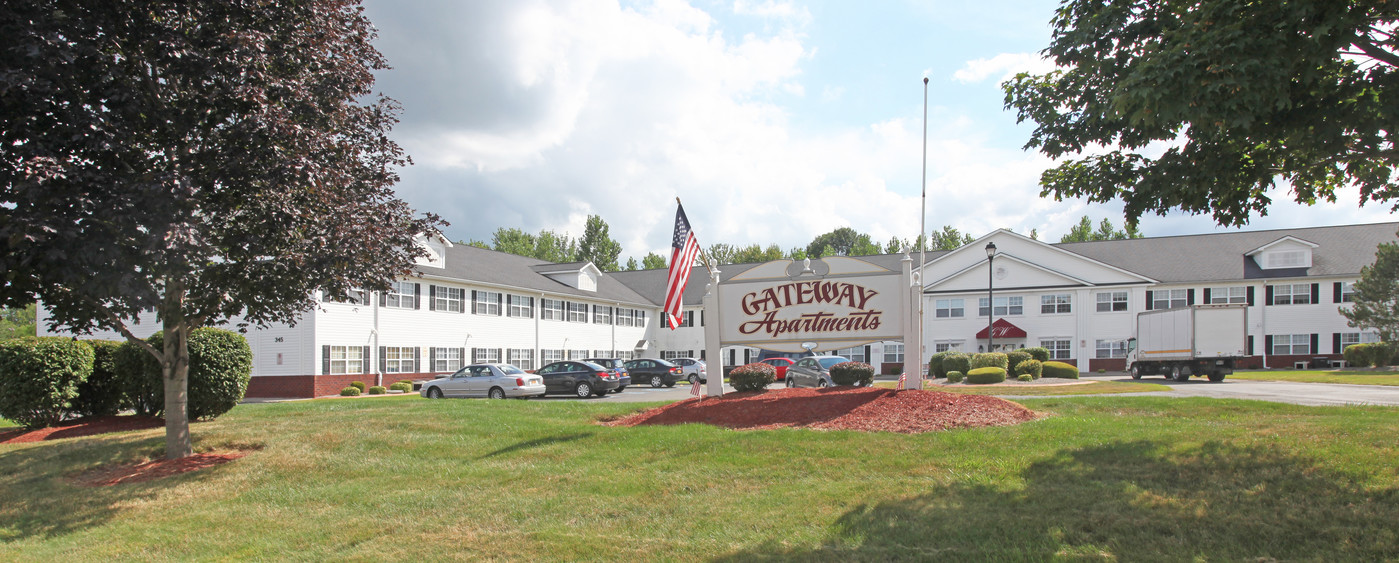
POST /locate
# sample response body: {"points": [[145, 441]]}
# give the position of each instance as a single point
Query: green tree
{"points": [[949, 238], [840, 240], [864, 246], [631, 264], [894, 245], [210, 160], [798, 253], [1376, 304], [552, 247], [476, 243], [1084, 232], [597, 245], [721, 252], [513, 241], [18, 322], [1243, 93], [653, 261]]}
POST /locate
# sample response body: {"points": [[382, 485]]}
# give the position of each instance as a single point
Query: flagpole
{"points": [[922, 232], [703, 258]]}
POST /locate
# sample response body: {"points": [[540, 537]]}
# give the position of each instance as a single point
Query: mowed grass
{"points": [[1088, 388], [1098, 478], [1349, 377]]}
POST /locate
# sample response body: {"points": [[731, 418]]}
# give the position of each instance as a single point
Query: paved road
{"points": [[1312, 394]]}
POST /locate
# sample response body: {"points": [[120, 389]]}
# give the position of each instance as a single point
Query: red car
{"points": [[781, 365]]}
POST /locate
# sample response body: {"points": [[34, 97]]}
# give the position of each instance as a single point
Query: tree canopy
{"points": [[1376, 301], [1084, 232], [597, 245], [1206, 105], [212, 160]]}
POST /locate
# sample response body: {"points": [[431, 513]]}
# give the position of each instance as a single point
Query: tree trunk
{"points": [[175, 369]]}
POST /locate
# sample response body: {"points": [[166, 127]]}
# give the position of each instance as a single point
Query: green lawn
{"points": [[1090, 388], [1101, 478], [5, 423], [1351, 377]]}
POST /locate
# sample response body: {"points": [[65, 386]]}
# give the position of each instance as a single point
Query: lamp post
{"points": [[990, 295]]}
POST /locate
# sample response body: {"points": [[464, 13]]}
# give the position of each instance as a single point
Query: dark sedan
{"points": [[657, 373], [617, 367], [582, 379], [813, 371]]}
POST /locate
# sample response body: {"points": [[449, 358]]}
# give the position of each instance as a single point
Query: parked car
{"points": [[813, 371], [580, 378], [781, 365], [618, 367], [655, 372], [496, 381], [692, 369]]}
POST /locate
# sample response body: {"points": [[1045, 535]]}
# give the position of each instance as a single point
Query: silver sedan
{"points": [[813, 371], [496, 381]]}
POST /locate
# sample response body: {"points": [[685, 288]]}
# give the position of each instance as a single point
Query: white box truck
{"points": [[1202, 340]]}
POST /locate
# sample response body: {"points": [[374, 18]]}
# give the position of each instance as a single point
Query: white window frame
{"points": [[549, 356], [486, 303], [1056, 304], [948, 345], [398, 359], [949, 308], [1291, 296], [1347, 292], [1112, 301], [669, 355], [449, 299], [855, 353], [578, 354], [485, 355], [624, 317], [577, 312], [624, 355], [1286, 259], [347, 360], [447, 359], [602, 314], [1227, 295], [1173, 298], [1060, 348], [1008, 306], [551, 310], [1297, 345], [1110, 349], [522, 358], [1353, 338], [893, 352], [520, 306], [401, 296], [354, 297]]}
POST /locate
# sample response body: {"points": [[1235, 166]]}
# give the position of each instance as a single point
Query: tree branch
{"points": [[1375, 51]]}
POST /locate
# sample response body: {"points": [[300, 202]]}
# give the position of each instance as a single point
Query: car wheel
{"points": [[620, 389], [1183, 374], [584, 390], [1216, 376], [693, 379], [1136, 372], [497, 393], [601, 393], [789, 382], [434, 393], [821, 383], [656, 381]]}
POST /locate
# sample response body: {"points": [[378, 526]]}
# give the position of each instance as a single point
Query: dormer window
{"points": [[1286, 259], [1285, 253]]}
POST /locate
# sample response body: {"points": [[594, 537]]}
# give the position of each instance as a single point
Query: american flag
{"points": [[903, 378], [695, 389], [684, 247]]}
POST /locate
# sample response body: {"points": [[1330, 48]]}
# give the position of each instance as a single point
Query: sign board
{"points": [[838, 302]]}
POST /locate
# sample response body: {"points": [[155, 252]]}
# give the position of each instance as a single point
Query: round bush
{"points": [[103, 393], [1060, 370], [358, 385], [1032, 368], [954, 377], [752, 377], [1039, 353], [935, 367], [350, 391], [405, 382], [39, 378], [1014, 357], [1024, 377], [986, 360], [1370, 354], [220, 366], [990, 374], [859, 374], [377, 390], [139, 373], [957, 361], [401, 386]]}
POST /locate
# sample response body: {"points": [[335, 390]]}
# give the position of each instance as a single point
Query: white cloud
{"points": [[1007, 65], [787, 11]]}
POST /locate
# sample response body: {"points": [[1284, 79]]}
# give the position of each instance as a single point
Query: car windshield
{"points": [[511, 370], [828, 362]]}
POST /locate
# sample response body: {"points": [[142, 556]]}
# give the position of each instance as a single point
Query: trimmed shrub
{"points": [[1038, 353], [989, 374], [1370, 354], [1032, 368], [139, 373], [39, 378], [752, 377], [859, 374], [989, 359], [1024, 377], [409, 383], [350, 391], [358, 385], [954, 377], [1060, 370], [377, 390], [220, 366], [1102, 370], [1014, 358], [935, 367], [957, 361], [103, 393], [401, 386]]}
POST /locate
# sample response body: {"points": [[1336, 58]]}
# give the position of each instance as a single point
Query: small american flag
{"points": [[903, 378], [684, 247], [695, 389]]}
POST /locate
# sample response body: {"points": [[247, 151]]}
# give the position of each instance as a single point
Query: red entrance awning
{"points": [[1003, 329]]}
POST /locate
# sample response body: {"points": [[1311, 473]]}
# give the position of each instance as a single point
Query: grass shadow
{"points": [[537, 443], [1131, 501]]}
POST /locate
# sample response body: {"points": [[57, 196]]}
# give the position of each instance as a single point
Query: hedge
{"points": [[859, 374], [1060, 370], [1032, 368], [1015, 357], [220, 366], [752, 377], [140, 376], [954, 377], [1039, 353], [990, 374], [103, 393], [1370, 354], [935, 368], [957, 361], [39, 378], [989, 359]]}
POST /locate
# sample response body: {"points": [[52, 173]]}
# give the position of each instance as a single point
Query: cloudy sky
{"points": [[774, 121]]}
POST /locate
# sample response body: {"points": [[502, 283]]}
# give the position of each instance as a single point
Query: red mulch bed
{"points": [[837, 408], [82, 427], [138, 472]]}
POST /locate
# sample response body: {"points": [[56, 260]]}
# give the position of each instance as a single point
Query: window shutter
{"points": [[1316, 294], [1268, 296], [507, 310], [1148, 299], [1190, 296], [461, 353], [499, 304], [473, 302], [701, 317], [325, 359], [418, 296], [463, 305], [1316, 343], [1206, 300], [1267, 344], [364, 360], [432, 298], [1250, 296], [383, 362], [431, 357], [417, 359], [383, 299], [1249, 345], [1336, 295], [1335, 343], [474, 359]]}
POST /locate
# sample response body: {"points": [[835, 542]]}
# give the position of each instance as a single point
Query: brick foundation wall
{"points": [[1110, 364], [312, 386], [1286, 362]]}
